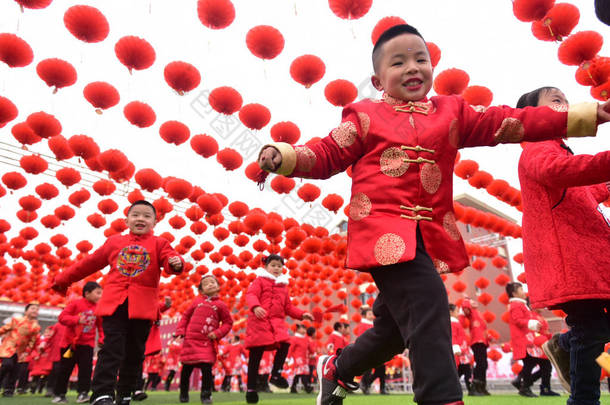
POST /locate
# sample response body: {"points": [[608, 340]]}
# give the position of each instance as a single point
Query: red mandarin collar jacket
{"points": [[135, 269], [476, 325], [402, 156], [522, 323], [566, 238], [80, 333]]}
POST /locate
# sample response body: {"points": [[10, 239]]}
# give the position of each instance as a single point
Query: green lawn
{"points": [[171, 398]]}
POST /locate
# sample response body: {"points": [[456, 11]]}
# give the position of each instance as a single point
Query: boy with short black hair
{"points": [[408, 143], [132, 284], [336, 341]]}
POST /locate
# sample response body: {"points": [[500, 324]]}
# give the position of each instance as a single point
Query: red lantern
{"points": [[580, 47], [174, 132], [254, 221], [24, 134], [204, 145], [229, 158], [64, 212], [104, 187], [107, 206], [502, 279], [83, 146], [8, 111], [308, 192], [285, 131], [96, 220], [209, 204], [557, 23], [101, 95], [33, 4], [531, 10], [47, 191], [350, 9], [481, 179], [238, 209], [332, 202], [383, 25], [135, 53], [177, 222], [181, 76], [593, 72], [254, 116], [340, 92], [140, 114], [482, 283], [484, 298], [494, 355], [112, 160], [516, 368], [522, 278], [68, 176], [215, 14], [56, 73], [86, 23], [307, 70], [466, 168], [179, 189], [499, 262], [50, 221], [79, 197], [478, 95], [225, 100], [30, 203], [14, 51], [601, 93], [518, 258], [33, 164], [451, 81], [459, 286], [148, 179], [264, 41], [435, 53], [44, 125], [14, 180], [84, 246]]}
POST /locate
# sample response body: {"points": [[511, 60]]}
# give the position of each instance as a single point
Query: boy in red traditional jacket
{"points": [[78, 343], [299, 353], [202, 325], [401, 225], [566, 237], [132, 285], [461, 350], [336, 341]]}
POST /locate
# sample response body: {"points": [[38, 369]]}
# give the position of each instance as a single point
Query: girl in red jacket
{"points": [[78, 342], [566, 239], [266, 329], [132, 285], [203, 324]]}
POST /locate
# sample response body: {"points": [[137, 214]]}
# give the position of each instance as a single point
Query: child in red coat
{"points": [[78, 343], [41, 362], [479, 342], [337, 340], [232, 357], [266, 329], [132, 284], [401, 226], [202, 325], [461, 350], [566, 237], [299, 355]]}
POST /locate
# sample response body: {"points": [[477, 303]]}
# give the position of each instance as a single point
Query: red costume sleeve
{"points": [[70, 315], [186, 318], [519, 316], [85, 267], [252, 295], [291, 310], [601, 192], [100, 330], [165, 252], [557, 168], [227, 321]]}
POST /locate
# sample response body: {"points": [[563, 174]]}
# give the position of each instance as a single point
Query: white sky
{"points": [[481, 37]]}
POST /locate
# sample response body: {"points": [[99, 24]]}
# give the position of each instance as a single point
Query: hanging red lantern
{"points": [[518, 258], [56, 73], [84, 246], [478, 95], [238, 209], [332, 202], [96, 220], [579, 47], [340, 92], [466, 168], [593, 72], [177, 222], [44, 125], [557, 23], [204, 145], [104, 187], [79, 197], [307, 70], [459, 286], [481, 179], [225, 100], [308, 192], [33, 4], [139, 114], [435, 53], [179, 189], [14, 51], [68, 176], [479, 264], [107, 206], [101, 95], [285, 131], [254, 116], [174, 132], [255, 221], [601, 92], [30, 203], [215, 14], [50, 221], [229, 158], [451, 81], [112, 160], [265, 41], [531, 10], [350, 9], [383, 25], [33, 164], [485, 298], [134, 53], [194, 213], [181, 76], [83, 146], [14, 180], [8, 111], [86, 23], [209, 204], [123, 174], [148, 179], [482, 283], [47, 191], [502, 279], [64, 212], [24, 134], [494, 355]]}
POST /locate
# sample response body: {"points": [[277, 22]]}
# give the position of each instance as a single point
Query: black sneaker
{"points": [[139, 396], [547, 392], [124, 401], [279, 381], [184, 397], [103, 400], [252, 397], [516, 382], [527, 392], [82, 398], [560, 359], [59, 399], [332, 390]]}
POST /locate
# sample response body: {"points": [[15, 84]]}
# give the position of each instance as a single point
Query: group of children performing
{"points": [[401, 230]]}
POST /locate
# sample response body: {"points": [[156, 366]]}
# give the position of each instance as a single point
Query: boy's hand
{"points": [[175, 262], [212, 336], [269, 159], [603, 112], [259, 312], [308, 316], [168, 302]]}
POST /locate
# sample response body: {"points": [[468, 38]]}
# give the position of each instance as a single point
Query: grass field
{"points": [[171, 398]]}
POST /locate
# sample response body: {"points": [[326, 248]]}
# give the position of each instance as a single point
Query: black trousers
{"points": [[38, 383], [480, 361], [23, 376], [207, 380], [411, 311], [528, 378], [124, 344], [169, 379], [81, 355], [152, 381], [9, 373], [254, 361], [370, 375], [304, 380], [466, 371], [52, 379]]}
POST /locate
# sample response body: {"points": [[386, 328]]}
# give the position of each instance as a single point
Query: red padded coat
{"points": [[519, 322]]}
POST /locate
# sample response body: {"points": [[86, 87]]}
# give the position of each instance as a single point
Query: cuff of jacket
{"points": [[582, 120], [289, 157]]}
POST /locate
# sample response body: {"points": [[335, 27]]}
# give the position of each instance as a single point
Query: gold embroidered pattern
{"points": [[392, 162], [454, 134], [431, 177], [306, 158], [559, 107], [365, 123], [450, 226], [511, 130], [359, 206], [345, 134], [391, 100], [441, 266], [389, 248]]}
